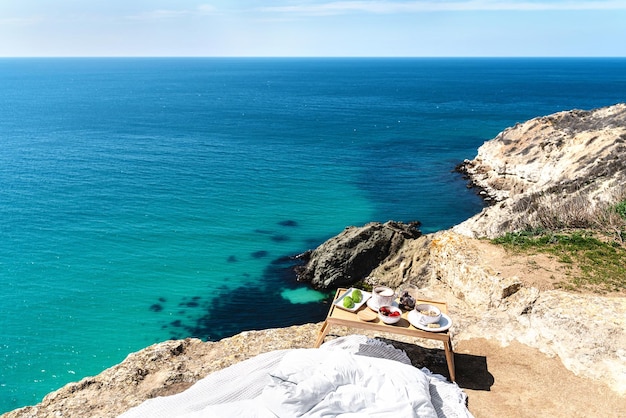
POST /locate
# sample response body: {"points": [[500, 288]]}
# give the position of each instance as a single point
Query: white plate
{"points": [[444, 323], [339, 302], [371, 303]]}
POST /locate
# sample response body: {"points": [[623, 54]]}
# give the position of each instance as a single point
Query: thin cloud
{"points": [[393, 7], [159, 14]]}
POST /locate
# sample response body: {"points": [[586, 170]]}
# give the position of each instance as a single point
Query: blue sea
{"points": [[149, 199]]}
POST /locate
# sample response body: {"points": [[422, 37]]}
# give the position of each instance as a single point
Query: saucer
{"points": [[444, 323], [367, 315], [371, 303]]}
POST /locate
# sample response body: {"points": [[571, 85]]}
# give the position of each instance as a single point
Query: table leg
{"points": [[322, 334], [447, 346]]}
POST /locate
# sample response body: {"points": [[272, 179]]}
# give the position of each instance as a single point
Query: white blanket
{"points": [[347, 377]]}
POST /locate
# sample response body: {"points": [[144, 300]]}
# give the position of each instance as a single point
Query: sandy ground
{"points": [[519, 381]]}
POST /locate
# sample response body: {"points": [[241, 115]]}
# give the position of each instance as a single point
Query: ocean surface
{"points": [[149, 199]]}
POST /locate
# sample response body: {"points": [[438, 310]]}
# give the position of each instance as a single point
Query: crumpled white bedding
{"points": [[347, 377]]}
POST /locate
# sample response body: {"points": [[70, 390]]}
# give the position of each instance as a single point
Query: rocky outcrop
{"points": [[354, 253], [411, 264], [555, 169], [586, 331]]}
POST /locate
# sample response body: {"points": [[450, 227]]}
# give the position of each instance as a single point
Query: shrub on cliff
{"points": [[557, 212]]}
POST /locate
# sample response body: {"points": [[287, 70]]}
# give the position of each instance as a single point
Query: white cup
{"points": [[383, 295], [433, 316]]}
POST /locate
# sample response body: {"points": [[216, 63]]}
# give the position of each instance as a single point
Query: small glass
{"points": [[407, 297]]}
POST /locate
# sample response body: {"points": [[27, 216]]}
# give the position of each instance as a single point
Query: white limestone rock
{"points": [[569, 161]]}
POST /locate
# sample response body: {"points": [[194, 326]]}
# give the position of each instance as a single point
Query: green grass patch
{"points": [[602, 264], [620, 209]]}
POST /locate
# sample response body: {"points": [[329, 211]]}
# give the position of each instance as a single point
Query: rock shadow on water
{"points": [[259, 305]]}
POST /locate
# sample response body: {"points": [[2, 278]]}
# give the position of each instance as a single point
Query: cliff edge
{"points": [[555, 169]]}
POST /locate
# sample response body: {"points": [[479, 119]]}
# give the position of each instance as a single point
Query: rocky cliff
{"points": [[490, 293], [554, 169], [354, 253], [489, 300]]}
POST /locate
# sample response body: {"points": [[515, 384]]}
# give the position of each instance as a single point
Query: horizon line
{"points": [[324, 56]]}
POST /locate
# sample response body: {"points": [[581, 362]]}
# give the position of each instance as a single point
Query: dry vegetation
{"points": [[550, 212]]}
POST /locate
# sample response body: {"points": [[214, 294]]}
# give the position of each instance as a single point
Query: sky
{"points": [[313, 28]]}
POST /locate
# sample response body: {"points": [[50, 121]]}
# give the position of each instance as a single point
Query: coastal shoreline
{"points": [[506, 324]]}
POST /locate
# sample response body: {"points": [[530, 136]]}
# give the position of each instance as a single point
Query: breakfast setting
{"points": [[383, 305], [385, 310]]}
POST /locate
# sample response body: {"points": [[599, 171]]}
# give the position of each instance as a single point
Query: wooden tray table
{"points": [[341, 317]]}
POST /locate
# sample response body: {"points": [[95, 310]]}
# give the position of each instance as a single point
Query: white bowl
{"points": [[388, 319], [433, 315]]}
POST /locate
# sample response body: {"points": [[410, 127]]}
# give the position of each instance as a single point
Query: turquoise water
{"points": [[146, 199]]}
